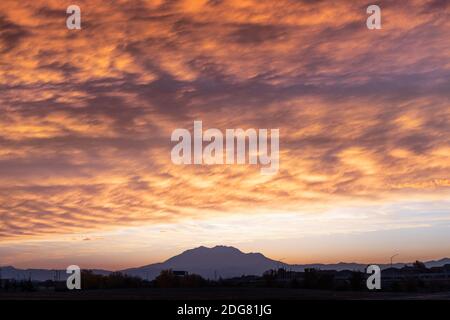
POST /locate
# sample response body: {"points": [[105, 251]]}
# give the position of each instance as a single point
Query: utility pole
{"points": [[393, 258]]}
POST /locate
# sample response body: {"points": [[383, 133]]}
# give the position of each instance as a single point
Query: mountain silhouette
{"points": [[211, 263]]}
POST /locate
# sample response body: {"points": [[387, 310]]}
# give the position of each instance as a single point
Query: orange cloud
{"points": [[87, 115]]}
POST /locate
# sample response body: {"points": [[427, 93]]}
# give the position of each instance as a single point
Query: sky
{"points": [[86, 119]]}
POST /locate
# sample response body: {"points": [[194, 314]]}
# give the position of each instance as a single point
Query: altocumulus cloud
{"points": [[87, 115]]}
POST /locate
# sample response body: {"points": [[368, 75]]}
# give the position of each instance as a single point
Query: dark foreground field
{"points": [[220, 294]]}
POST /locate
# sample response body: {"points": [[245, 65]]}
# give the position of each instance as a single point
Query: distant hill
{"points": [[220, 261], [10, 272], [211, 263]]}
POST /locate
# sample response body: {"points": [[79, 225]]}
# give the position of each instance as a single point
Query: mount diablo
{"points": [[211, 263]]}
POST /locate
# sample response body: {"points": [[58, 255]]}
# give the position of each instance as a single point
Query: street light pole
{"points": [[393, 258]]}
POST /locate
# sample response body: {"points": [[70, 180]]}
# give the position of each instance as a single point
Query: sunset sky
{"points": [[86, 118]]}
